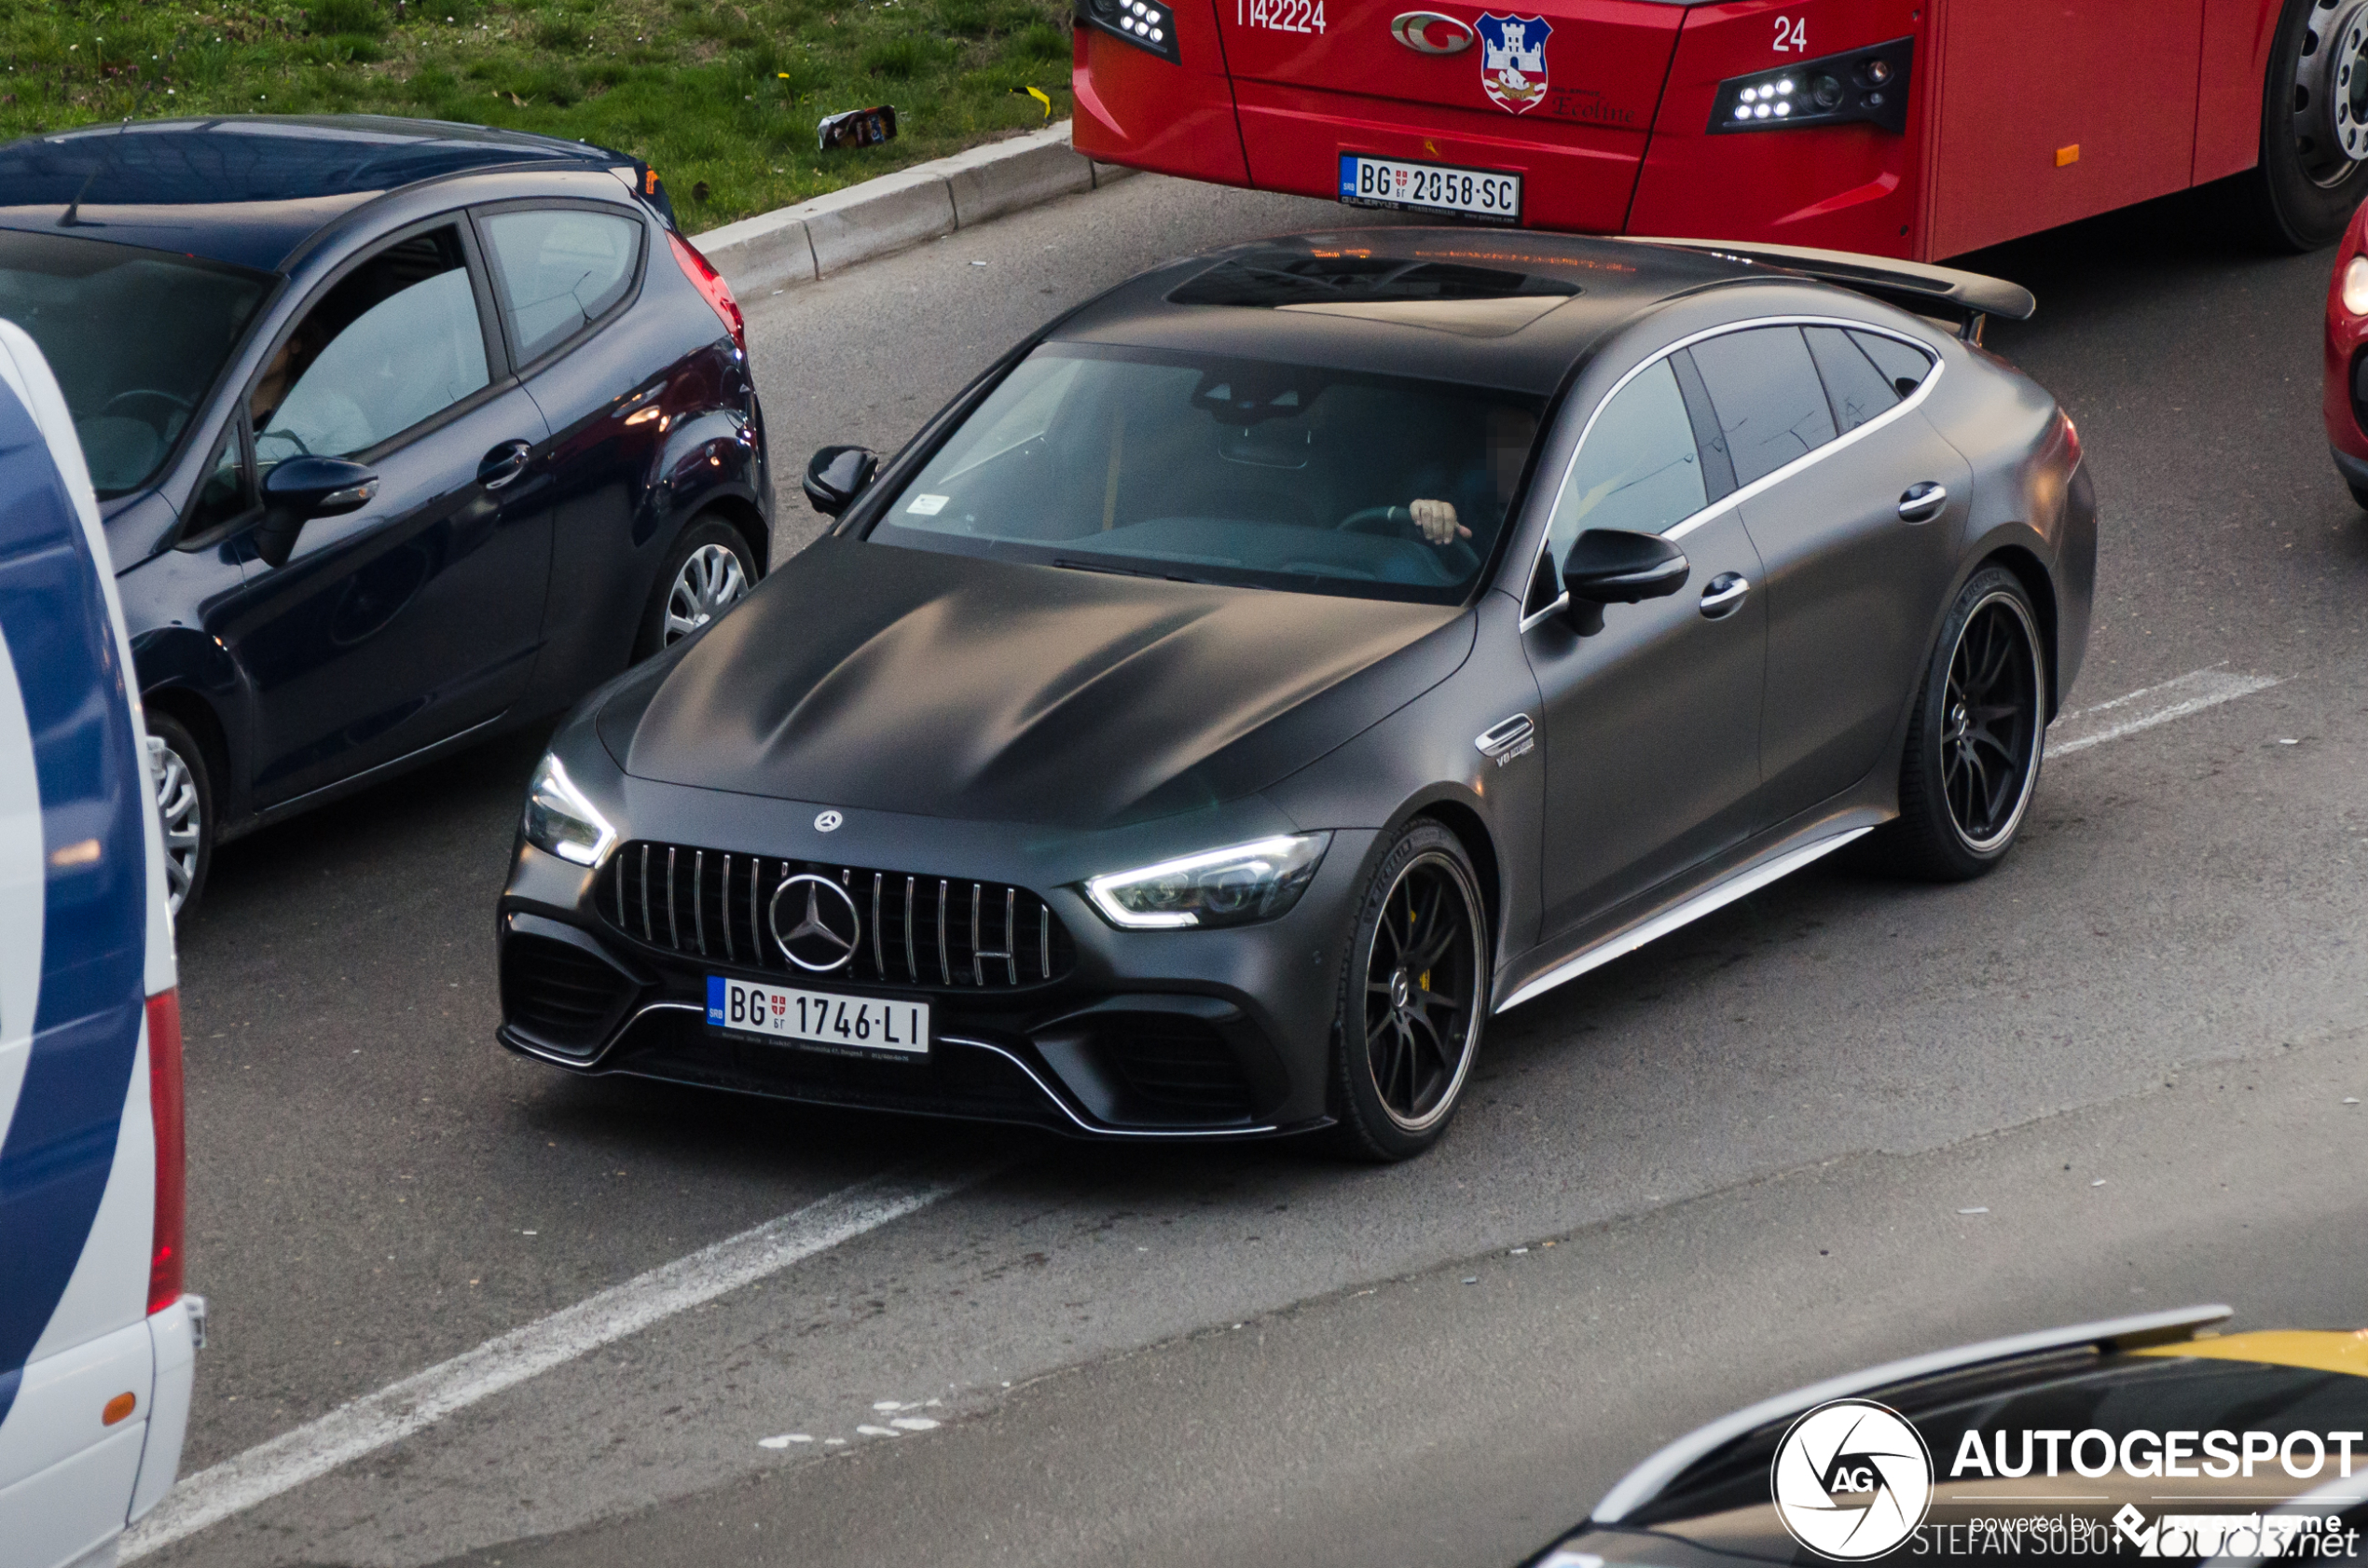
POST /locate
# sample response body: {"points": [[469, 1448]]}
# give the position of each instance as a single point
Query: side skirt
{"points": [[1780, 860]]}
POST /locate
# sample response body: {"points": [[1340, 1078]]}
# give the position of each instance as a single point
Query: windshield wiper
{"points": [[1128, 571]]}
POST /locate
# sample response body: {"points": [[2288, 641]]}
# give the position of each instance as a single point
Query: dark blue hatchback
{"points": [[403, 431]]}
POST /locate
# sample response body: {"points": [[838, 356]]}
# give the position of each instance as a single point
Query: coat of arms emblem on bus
{"points": [[1513, 60]]}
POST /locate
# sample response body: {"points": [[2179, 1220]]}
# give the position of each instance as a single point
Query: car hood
{"points": [[946, 685]]}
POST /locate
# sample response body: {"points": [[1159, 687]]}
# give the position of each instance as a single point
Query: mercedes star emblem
{"points": [[827, 927], [828, 822]]}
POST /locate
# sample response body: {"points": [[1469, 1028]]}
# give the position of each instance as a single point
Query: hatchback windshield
{"points": [[136, 337], [1227, 471]]}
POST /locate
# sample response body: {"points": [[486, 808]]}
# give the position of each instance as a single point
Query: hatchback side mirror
{"points": [[835, 476], [301, 489], [1612, 565]]}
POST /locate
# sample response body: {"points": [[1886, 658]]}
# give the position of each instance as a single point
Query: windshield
{"points": [[135, 338], [1241, 471]]}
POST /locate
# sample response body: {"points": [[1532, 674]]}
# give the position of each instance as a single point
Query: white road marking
{"points": [[2149, 705], [401, 1409]]}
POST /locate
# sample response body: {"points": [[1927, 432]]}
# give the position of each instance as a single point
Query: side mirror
{"points": [[1612, 565], [301, 489], [835, 476]]}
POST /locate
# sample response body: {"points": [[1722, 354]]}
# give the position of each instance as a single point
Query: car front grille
{"points": [[939, 932]]}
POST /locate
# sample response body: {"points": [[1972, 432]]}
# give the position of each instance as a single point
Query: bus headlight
{"points": [[1147, 24], [1868, 86]]}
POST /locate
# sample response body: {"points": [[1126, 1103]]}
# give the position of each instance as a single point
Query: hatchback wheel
{"points": [[710, 569], [183, 785], [1974, 746], [1413, 998]]}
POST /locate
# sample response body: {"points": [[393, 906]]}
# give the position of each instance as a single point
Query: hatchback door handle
{"points": [[1923, 503], [1724, 595], [502, 465]]}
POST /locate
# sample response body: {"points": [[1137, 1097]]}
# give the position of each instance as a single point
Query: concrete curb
{"points": [[793, 245]]}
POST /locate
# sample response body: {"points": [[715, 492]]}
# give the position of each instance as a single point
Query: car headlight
{"points": [[2355, 292], [1230, 887], [559, 820]]}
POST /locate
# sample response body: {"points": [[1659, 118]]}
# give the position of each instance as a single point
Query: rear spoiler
{"points": [[1649, 1480], [1964, 298]]}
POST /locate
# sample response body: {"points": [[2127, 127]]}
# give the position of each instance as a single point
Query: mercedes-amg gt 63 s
{"points": [[1283, 662]]}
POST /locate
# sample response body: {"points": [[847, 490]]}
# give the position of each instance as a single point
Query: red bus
{"points": [[1919, 129]]}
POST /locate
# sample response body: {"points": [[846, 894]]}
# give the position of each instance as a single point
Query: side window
{"points": [[395, 341], [1639, 469], [228, 491], [555, 271], [1858, 389], [1902, 365], [1771, 405]]}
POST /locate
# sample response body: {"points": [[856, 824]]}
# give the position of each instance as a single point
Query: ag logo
{"points": [[814, 921], [1852, 1481], [1513, 60]]}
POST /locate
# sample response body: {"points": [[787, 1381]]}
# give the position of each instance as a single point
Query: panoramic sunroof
{"points": [[1279, 279]]}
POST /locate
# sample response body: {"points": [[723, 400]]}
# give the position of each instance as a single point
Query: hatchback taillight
{"points": [[709, 282], [164, 1104]]}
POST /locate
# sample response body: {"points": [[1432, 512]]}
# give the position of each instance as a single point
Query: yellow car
{"points": [[2151, 1438]]}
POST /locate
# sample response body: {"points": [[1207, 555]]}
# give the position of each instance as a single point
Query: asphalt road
{"points": [[1748, 1143]]}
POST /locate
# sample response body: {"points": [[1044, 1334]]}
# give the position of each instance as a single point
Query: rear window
{"points": [[1243, 472], [559, 271], [135, 337]]}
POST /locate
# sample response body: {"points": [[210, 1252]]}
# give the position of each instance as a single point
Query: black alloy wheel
{"points": [[710, 569], [1413, 998], [1976, 742], [183, 779], [2314, 125]]}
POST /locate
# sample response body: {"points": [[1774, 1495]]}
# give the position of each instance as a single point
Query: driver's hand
{"points": [[1436, 519]]}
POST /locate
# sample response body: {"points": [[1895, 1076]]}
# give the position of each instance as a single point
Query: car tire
{"points": [[1412, 1002], [710, 569], [1977, 739], [2359, 495], [2304, 189], [182, 777]]}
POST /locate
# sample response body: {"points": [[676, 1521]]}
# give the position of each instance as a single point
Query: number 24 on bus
{"points": [[1922, 129]]}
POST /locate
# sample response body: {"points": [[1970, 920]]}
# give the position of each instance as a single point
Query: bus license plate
{"points": [[1429, 188], [853, 1023]]}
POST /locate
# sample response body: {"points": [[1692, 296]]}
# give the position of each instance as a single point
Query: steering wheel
{"points": [[1456, 558], [1397, 521], [187, 406]]}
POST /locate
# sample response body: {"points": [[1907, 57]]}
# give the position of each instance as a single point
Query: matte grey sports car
{"points": [[1286, 660]]}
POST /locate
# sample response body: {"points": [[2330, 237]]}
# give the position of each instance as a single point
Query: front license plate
{"points": [[851, 1023], [1429, 188]]}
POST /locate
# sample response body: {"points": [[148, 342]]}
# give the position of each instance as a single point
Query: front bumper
{"points": [[1195, 1034]]}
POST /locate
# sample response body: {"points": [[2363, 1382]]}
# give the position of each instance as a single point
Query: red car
{"points": [[1910, 127], [2345, 402]]}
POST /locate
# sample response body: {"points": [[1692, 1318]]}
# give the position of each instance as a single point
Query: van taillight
{"points": [[709, 282], [164, 1103]]}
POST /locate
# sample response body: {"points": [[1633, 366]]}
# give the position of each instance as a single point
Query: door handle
{"points": [[1923, 503], [1724, 595], [502, 465]]}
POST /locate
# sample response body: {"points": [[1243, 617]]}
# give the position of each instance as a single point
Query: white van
{"points": [[96, 1335]]}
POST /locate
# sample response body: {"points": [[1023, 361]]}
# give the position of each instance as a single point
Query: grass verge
{"points": [[721, 98]]}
